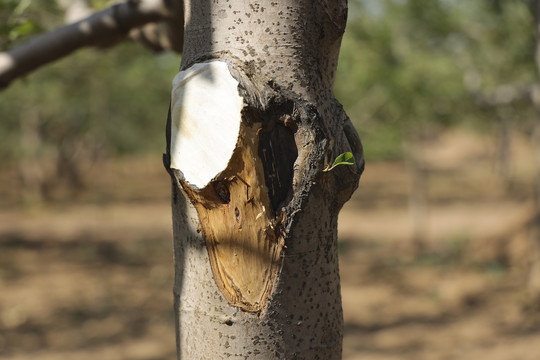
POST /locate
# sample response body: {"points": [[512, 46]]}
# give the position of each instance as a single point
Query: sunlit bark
{"points": [[256, 237]]}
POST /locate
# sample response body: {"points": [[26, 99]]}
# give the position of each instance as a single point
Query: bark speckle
{"points": [[290, 59], [222, 14]]}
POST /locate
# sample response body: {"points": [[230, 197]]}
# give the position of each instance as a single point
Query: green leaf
{"points": [[346, 158], [24, 28]]}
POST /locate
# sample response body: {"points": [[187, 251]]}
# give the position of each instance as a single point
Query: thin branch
{"points": [[101, 29]]}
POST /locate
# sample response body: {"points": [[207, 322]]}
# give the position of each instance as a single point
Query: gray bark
{"points": [[284, 56]]}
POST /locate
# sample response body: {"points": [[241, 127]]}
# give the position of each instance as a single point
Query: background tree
{"points": [[409, 70], [99, 117]]}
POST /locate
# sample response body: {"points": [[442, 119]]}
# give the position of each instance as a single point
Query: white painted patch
{"points": [[6, 62], [205, 121]]}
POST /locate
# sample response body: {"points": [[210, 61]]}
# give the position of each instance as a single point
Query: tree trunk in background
{"points": [[534, 275], [503, 167], [254, 215], [31, 170], [414, 150]]}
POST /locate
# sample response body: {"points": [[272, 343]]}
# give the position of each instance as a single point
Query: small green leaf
{"points": [[26, 27], [346, 158]]}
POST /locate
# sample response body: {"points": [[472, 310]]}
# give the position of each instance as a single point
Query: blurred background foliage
{"points": [[92, 105], [409, 69]]}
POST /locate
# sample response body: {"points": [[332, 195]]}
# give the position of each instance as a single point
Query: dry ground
{"points": [[92, 279]]}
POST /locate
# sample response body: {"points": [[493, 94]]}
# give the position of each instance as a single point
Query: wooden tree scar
{"points": [[240, 227], [235, 162]]}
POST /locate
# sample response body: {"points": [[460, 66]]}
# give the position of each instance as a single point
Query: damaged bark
{"points": [[255, 220]]}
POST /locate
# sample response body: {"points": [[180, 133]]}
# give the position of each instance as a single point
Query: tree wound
{"points": [[238, 194], [205, 121]]}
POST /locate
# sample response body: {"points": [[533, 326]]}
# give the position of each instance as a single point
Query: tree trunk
{"points": [[253, 122], [534, 274], [503, 167]]}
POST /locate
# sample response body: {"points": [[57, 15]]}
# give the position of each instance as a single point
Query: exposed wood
{"points": [[215, 146], [240, 229]]}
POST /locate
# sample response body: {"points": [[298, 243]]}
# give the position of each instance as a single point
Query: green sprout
{"points": [[346, 158]]}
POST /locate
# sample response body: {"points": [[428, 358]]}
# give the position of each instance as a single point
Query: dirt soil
{"points": [[453, 276]]}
